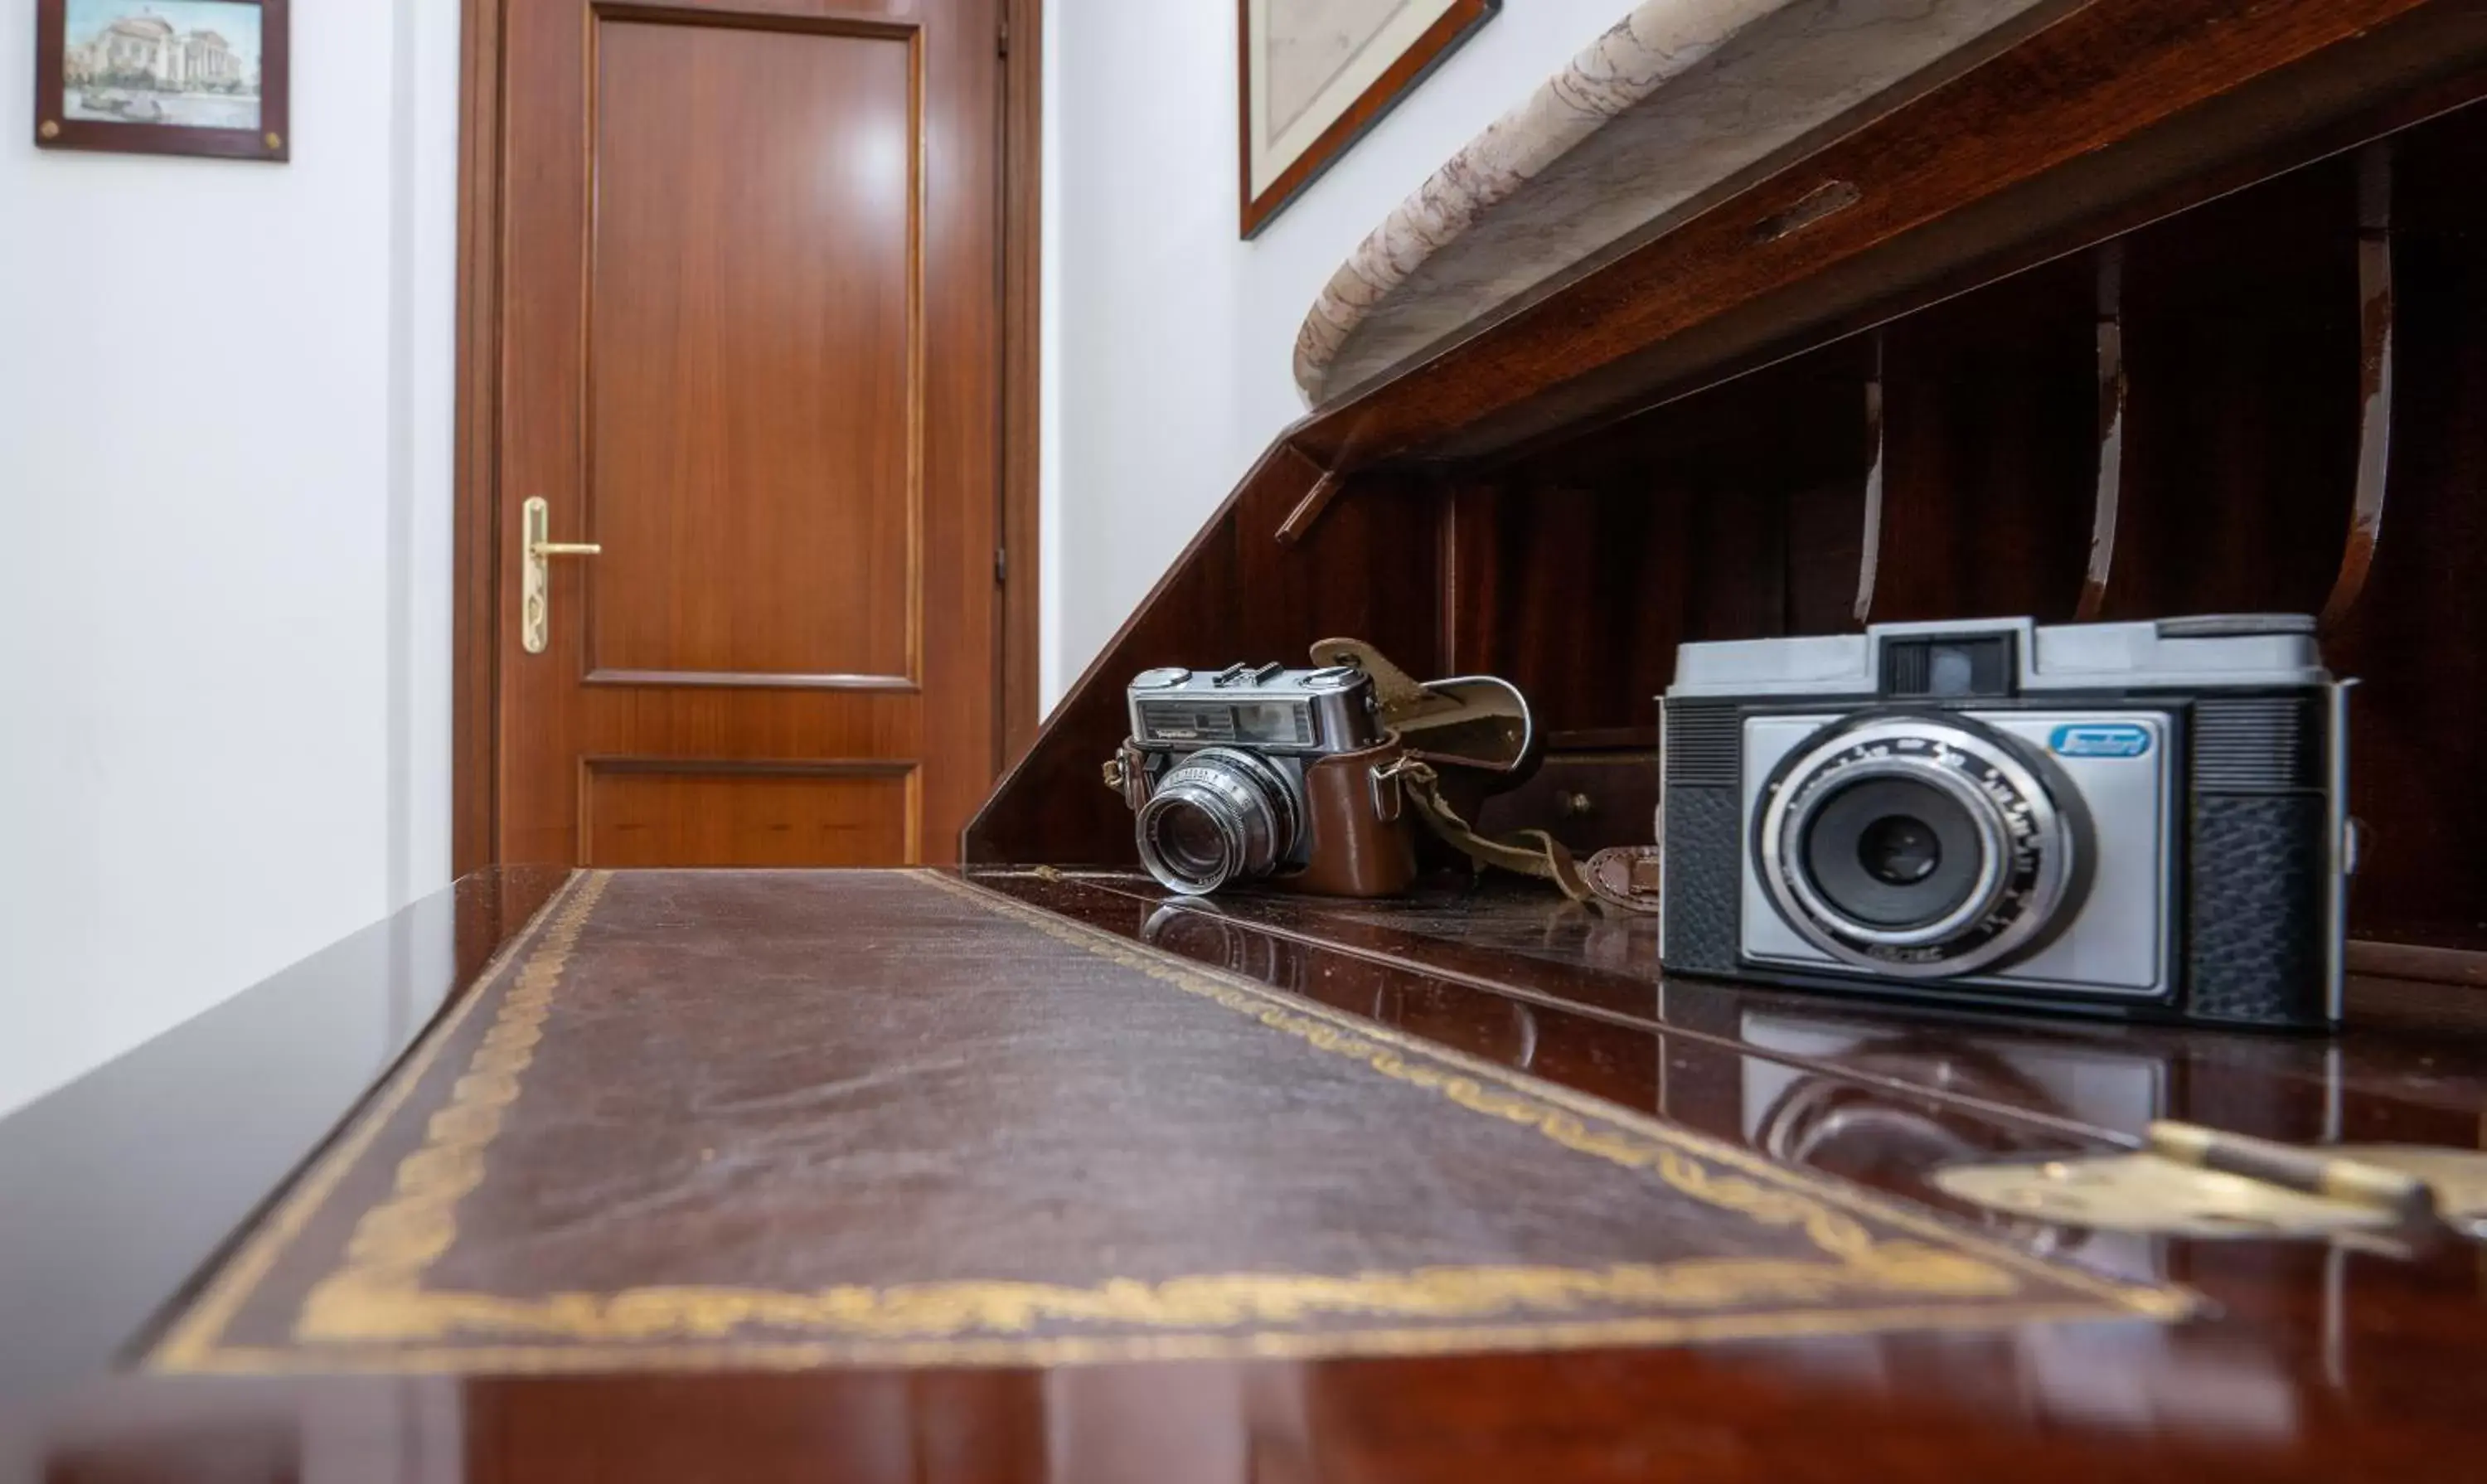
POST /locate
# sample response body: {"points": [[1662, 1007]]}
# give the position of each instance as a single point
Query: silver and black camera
{"points": [[1235, 774], [2141, 819]]}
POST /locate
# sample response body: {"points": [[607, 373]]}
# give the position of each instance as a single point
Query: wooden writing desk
{"points": [[1050, 1039]]}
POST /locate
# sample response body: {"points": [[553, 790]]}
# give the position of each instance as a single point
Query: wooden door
{"points": [[749, 348]]}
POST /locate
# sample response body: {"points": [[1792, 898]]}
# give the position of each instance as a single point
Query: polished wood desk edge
{"points": [[2384, 1013], [235, 1103]]}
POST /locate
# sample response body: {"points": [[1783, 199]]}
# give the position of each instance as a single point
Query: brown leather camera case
{"points": [[1356, 854]]}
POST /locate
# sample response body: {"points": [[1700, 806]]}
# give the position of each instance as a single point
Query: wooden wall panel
{"points": [[2241, 343], [1559, 595], [1826, 534], [1732, 514], [1369, 568], [1988, 471], [2419, 720]]}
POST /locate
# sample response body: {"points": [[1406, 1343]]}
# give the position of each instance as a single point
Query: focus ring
{"points": [[2030, 850], [1252, 806], [1988, 882]]}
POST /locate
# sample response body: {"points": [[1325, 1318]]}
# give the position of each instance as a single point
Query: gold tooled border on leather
{"points": [[373, 1311]]}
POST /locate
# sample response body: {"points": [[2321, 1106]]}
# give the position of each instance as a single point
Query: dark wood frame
{"points": [[474, 709], [1023, 197], [475, 659], [55, 130], [1412, 66]]}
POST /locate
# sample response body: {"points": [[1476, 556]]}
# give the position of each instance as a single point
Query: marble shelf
{"points": [[1673, 108]]}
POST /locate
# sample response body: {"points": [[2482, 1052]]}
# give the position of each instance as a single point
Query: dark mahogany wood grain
{"points": [[1733, 513], [2313, 1363], [2417, 722], [2241, 343], [1988, 483], [1366, 570]]}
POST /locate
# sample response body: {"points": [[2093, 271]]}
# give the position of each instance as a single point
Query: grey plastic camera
{"points": [[2141, 819]]}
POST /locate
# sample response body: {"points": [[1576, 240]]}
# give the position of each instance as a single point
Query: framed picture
{"points": [[162, 77], [1318, 74]]}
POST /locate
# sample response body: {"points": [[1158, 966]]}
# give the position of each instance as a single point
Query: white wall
{"points": [[1168, 342], [224, 542]]}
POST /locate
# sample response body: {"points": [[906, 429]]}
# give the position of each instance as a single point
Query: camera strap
{"points": [[1527, 851], [1628, 877], [1475, 724]]}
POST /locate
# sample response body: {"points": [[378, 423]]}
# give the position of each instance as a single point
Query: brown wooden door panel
{"points": [[752, 323], [691, 813], [751, 349]]}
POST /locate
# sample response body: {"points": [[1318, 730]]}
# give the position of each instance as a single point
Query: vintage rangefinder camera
{"points": [[1255, 772], [2145, 819]]}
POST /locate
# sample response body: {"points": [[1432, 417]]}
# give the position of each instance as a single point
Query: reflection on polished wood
{"points": [[2317, 1362], [118, 1188]]}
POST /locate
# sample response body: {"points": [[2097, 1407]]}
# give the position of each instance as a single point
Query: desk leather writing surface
{"points": [[802, 1118], [2310, 1363]]}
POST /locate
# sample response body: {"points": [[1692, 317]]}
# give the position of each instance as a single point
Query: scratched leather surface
{"points": [[794, 1083], [771, 1079]]}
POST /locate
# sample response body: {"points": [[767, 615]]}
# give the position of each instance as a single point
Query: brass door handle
{"points": [[534, 581]]}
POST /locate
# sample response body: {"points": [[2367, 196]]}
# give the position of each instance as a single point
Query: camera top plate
{"points": [[2005, 656]]}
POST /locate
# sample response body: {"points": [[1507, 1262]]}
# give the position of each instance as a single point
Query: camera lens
{"points": [[1898, 851], [1892, 852], [1190, 838], [1921, 845], [1220, 815]]}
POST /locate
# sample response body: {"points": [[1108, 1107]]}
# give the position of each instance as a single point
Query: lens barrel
{"points": [[1921, 845], [1218, 816], [1895, 852]]}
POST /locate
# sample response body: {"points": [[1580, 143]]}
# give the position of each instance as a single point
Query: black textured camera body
{"points": [[2252, 916]]}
